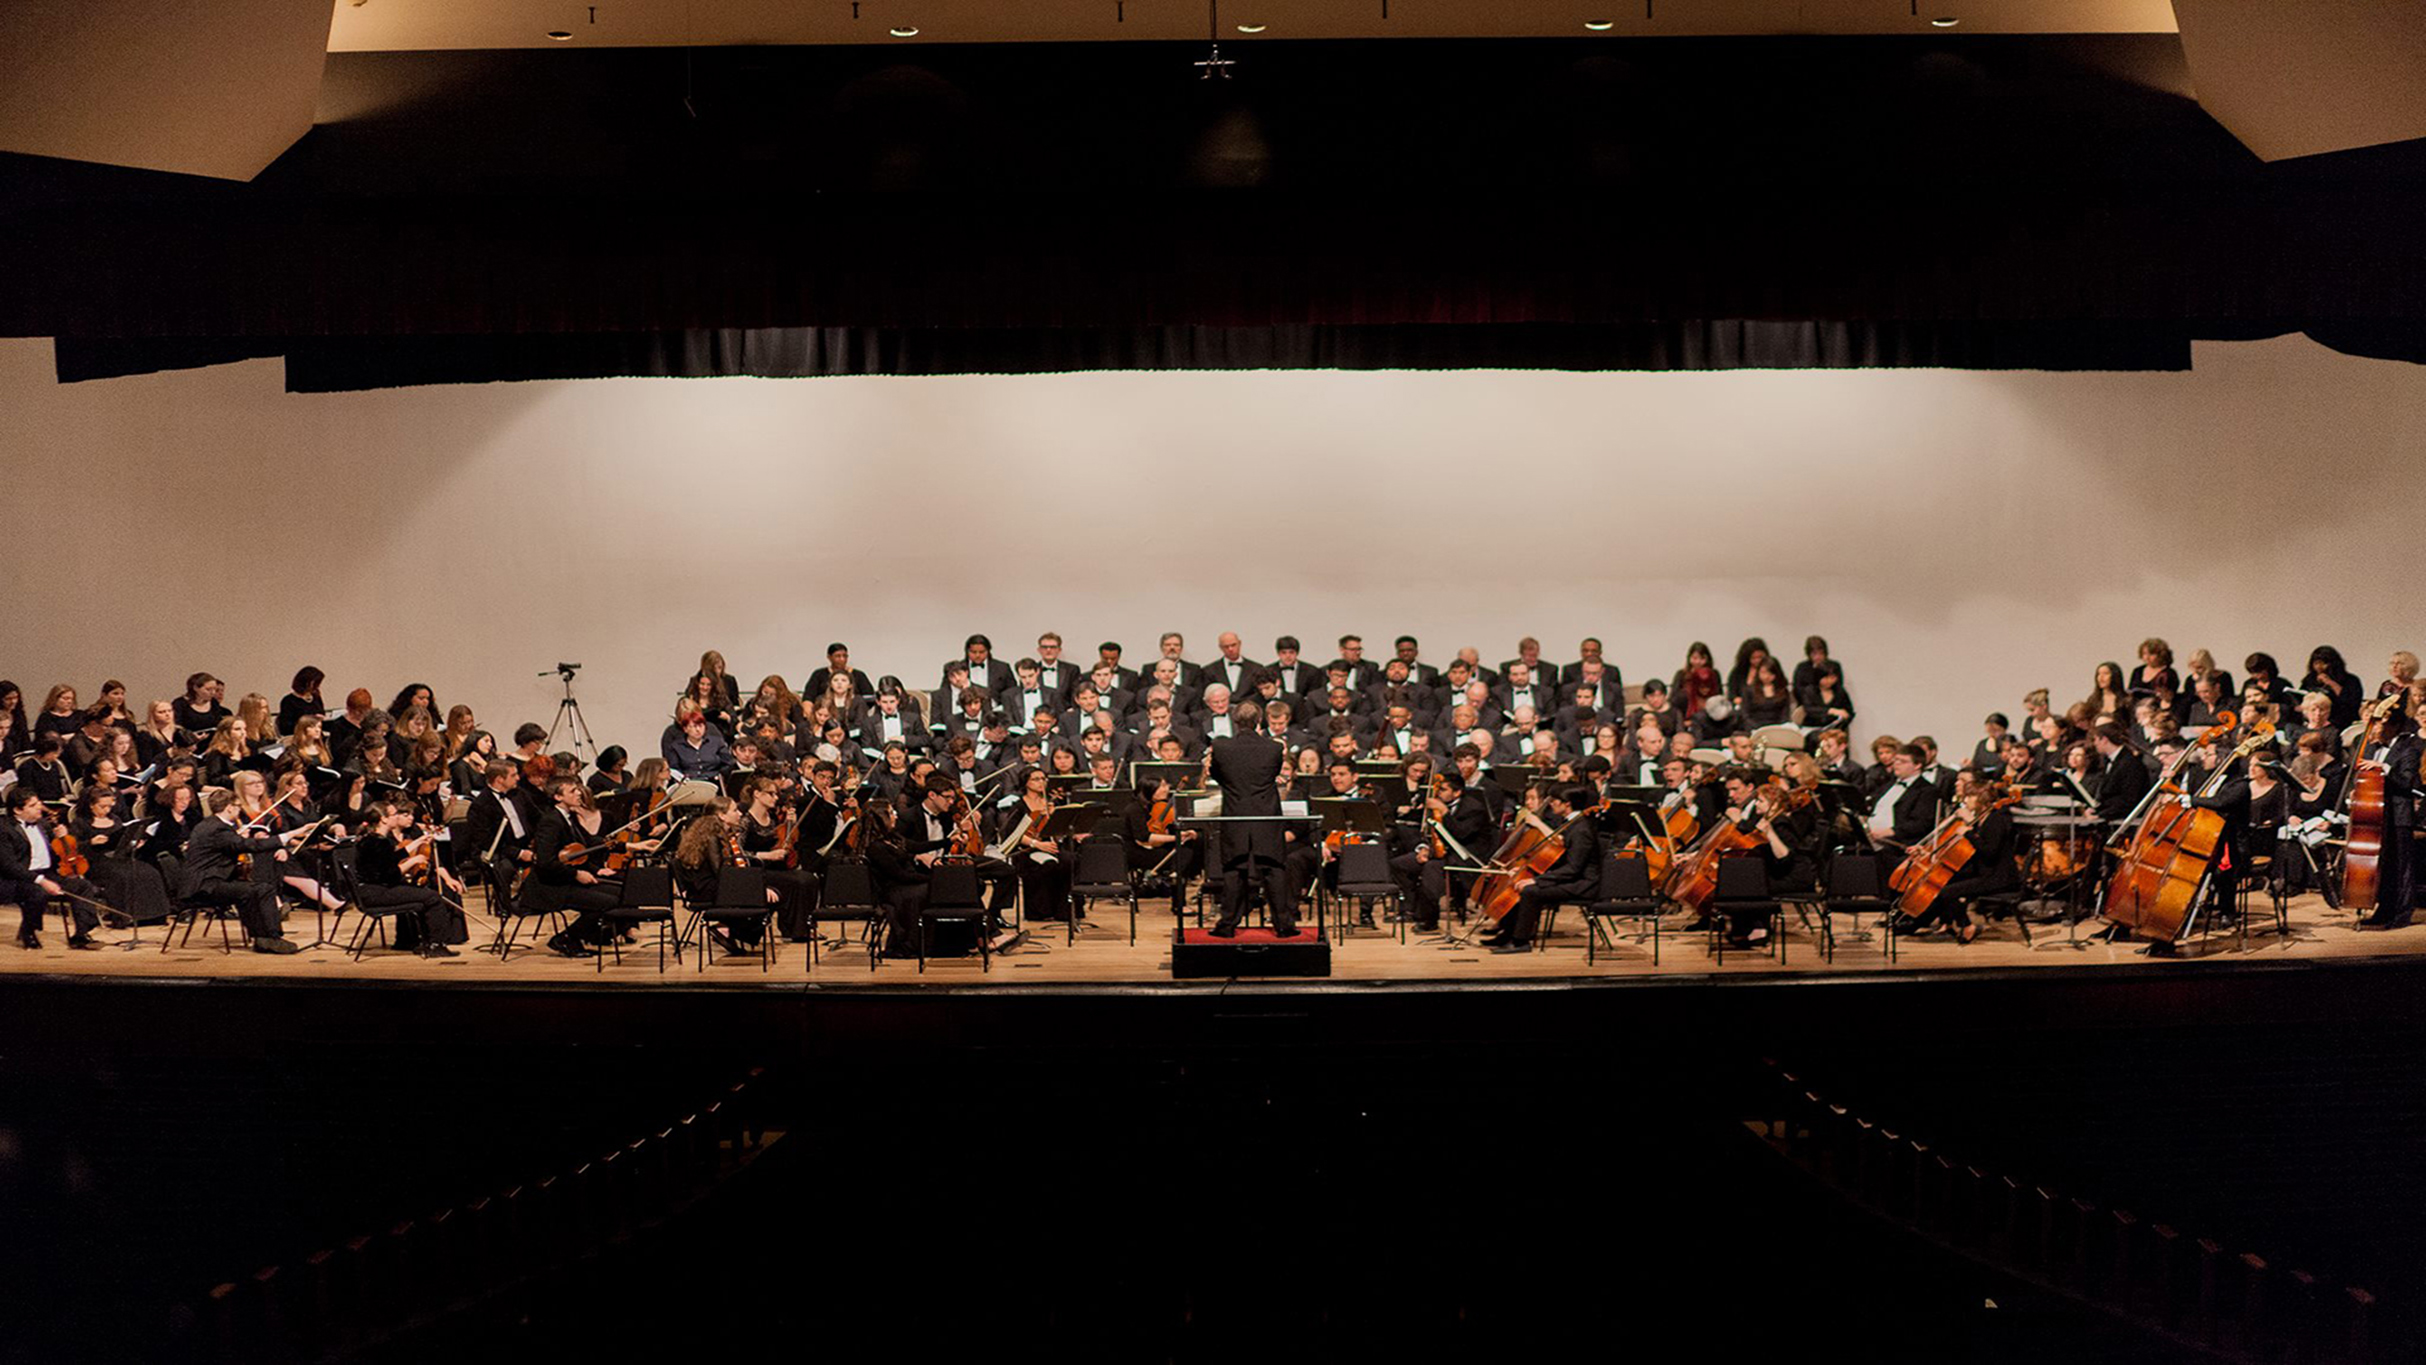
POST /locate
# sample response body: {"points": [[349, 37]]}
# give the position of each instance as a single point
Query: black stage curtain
{"points": [[1996, 203]]}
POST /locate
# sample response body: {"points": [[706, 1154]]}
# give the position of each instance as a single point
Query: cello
{"points": [[2161, 875], [1694, 879], [1530, 850], [1933, 861], [2363, 804]]}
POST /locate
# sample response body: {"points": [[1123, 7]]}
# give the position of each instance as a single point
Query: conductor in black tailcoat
{"points": [[1246, 767]]}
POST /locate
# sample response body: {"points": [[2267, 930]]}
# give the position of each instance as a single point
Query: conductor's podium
{"points": [[1196, 953]]}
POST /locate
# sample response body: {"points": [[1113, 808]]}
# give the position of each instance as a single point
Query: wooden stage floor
{"points": [[1103, 955]]}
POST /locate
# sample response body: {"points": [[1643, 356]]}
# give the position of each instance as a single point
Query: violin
{"points": [[967, 841], [67, 858]]}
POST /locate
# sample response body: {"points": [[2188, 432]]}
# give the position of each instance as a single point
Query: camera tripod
{"points": [[569, 718]]}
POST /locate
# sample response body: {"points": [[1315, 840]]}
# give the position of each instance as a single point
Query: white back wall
{"points": [[1958, 537]]}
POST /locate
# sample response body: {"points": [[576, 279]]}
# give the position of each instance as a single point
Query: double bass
{"points": [[2161, 873], [2363, 854]]}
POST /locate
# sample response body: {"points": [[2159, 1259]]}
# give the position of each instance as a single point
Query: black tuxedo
{"points": [[212, 878], [481, 827], [1574, 877], [1543, 672], [1060, 678], [2122, 785], [1611, 679], [1361, 675], [1914, 813], [17, 883], [1239, 677], [1310, 680], [1247, 771], [1544, 700], [993, 675], [914, 734]]}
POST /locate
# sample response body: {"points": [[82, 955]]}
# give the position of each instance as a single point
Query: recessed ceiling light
{"points": [[1600, 25], [1250, 28], [906, 31], [560, 35], [1944, 23]]}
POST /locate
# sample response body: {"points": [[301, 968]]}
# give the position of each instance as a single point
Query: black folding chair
{"points": [[512, 913], [1625, 893], [1857, 882], [741, 898], [954, 896], [850, 894], [1102, 874], [648, 898], [1364, 875], [1743, 881]]}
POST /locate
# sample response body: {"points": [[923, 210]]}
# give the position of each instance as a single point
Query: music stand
{"points": [[1062, 786], [1182, 775], [1510, 780], [1390, 793]]}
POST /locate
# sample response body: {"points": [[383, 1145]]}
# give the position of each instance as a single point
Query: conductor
{"points": [[1246, 766]]}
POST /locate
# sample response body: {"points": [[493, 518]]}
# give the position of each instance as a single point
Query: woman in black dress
{"points": [[763, 836], [15, 734], [302, 699], [410, 882], [1045, 869], [1767, 700], [60, 715], [2328, 674], [127, 884]]}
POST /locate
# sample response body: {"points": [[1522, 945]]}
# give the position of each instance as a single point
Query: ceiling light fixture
{"points": [[1600, 25], [1944, 23], [906, 31], [560, 35], [1215, 66], [1250, 28]]}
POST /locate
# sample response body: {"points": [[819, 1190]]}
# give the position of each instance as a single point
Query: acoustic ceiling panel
{"points": [[2295, 79], [210, 87]]}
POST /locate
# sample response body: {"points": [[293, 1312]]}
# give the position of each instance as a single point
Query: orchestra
{"points": [[1221, 772]]}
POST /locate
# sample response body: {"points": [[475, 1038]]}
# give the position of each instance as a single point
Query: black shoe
{"points": [[281, 946], [1427, 926], [28, 941], [563, 945], [82, 942], [2163, 948], [1699, 925], [1509, 945], [439, 950], [1284, 931]]}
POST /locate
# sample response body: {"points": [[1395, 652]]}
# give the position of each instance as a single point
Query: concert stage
{"points": [[1099, 992], [1102, 955]]}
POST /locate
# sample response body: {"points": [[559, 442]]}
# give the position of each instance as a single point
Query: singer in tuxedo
{"points": [[1246, 767]]}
